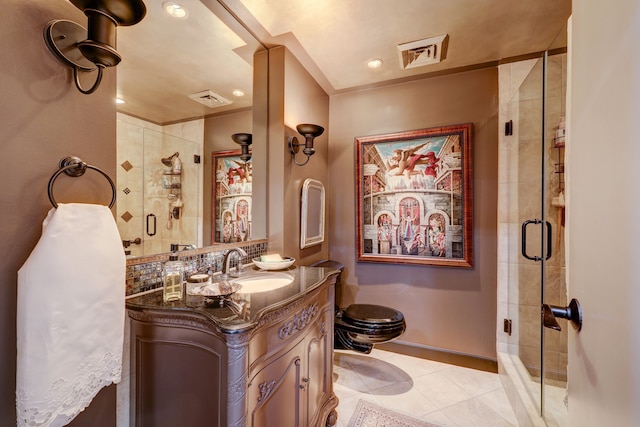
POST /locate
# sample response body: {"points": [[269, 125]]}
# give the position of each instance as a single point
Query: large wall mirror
{"points": [[187, 81]]}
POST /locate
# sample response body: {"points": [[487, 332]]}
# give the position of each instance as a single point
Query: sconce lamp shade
{"points": [[66, 38], [309, 132], [123, 12], [244, 139]]}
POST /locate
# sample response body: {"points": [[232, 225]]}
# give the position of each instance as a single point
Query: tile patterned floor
{"points": [[443, 394]]}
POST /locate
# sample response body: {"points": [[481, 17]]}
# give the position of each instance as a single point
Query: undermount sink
{"points": [[263, 282]]}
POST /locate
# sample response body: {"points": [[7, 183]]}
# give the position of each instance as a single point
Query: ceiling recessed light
{"points": [[120, 101], [174, 9], [374, 63], [238, 93]]}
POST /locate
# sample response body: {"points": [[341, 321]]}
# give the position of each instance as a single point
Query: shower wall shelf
{"points": [[172, 181]]}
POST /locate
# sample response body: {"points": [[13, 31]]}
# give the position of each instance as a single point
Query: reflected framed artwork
{"points": [[231, 197], [414, 197]]}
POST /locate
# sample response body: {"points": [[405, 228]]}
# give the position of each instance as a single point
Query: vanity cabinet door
{"points": [[274, 393], [294, 388], [318, 368], [179, 378]]}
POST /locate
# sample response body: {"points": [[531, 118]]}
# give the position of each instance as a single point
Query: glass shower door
{"points": [[532, 212], [554, 290], [524, 169]]}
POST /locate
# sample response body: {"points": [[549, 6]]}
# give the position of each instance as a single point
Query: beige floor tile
{"points": [[376, 373], [440, 390], [474, 413], [414, 366], [446, 395], [346, 409], [438, 418], [404, 398], [473, 381], [349, 379], [499, 402]]}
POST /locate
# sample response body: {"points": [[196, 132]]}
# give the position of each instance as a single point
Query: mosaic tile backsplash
{"points": [[145, 274]]}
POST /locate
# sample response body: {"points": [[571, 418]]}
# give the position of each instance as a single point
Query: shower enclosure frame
{"points": [[531, 252]]}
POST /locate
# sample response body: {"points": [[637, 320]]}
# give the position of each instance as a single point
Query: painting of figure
{"points": [[414, 201], [231, 198]]}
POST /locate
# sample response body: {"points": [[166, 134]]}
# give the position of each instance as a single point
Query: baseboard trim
{"points": [[440, 355]]}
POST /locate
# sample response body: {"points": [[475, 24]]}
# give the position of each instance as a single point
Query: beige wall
{"points": [[44, 118], [294, 98], [447, 308]]}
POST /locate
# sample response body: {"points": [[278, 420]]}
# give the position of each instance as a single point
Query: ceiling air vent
{"points": [[423, 52], [210, 99]]}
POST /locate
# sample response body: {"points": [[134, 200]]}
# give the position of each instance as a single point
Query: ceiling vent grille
{"points": [[423, 52], [210, 99]]}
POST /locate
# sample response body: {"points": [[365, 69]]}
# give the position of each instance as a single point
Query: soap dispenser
{"points": [[172, 278]]}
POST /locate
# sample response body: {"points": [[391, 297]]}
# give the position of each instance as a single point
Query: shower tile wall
{"points": [[140, 146], [519, 280]]}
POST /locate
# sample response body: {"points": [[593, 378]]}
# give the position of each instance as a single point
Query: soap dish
{"points": [[217, 289], [274, 265]]}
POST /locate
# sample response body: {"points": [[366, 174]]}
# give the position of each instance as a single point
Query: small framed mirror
{"points": [[312, 213]]}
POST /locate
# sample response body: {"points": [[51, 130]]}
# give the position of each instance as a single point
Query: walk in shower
{"points": [[531, 260], [159, 204]]}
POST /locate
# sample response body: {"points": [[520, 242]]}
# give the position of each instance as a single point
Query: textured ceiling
{"points": [[165, 60]]}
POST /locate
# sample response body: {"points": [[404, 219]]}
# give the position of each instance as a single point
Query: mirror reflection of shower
{"points": [[173, 182], [160, 182], [168, 161]]}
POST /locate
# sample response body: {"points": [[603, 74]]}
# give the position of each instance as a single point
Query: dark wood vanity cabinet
{"points": [[278, 371]]}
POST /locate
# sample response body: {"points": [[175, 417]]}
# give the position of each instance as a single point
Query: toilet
{"points": [[359, 326]]}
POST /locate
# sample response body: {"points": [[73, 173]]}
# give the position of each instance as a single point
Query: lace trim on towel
{"points": [[67, 397]]}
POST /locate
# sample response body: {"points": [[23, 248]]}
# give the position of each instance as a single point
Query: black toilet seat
{"points": [[370, 315]]}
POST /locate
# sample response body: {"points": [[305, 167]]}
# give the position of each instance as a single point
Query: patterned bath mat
{"points": [[369, 414]]}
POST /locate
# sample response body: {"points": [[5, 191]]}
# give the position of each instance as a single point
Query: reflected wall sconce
{"points": [[85, 50], [309, 132], [244, 139]]}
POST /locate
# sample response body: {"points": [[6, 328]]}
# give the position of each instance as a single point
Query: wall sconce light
{"points": [[309, 132], [244, 139], [86, 50]]}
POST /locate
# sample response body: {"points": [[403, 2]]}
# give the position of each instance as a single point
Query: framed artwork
{"points": [[312, 213], [231, 197], [414, 197]]}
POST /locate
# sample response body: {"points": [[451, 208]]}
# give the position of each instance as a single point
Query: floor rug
{"points": [[369, 414]]}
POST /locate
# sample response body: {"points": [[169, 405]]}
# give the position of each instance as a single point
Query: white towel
{"points": [[70, 315]]}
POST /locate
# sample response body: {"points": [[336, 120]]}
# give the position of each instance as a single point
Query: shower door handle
{"points": [[151, 231], [573, 313], [524, 239]]}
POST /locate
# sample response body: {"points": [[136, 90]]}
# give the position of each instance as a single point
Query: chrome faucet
{"points": [[226, 262]]}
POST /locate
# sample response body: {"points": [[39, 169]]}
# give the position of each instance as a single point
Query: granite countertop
{"points": [[238, 312]]}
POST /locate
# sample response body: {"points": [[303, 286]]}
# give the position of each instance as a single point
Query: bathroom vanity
{"points": [[257, 359]]}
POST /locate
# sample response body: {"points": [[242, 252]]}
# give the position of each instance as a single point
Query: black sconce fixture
{"points": [[86, 50], [309, 132], [244, 139]]}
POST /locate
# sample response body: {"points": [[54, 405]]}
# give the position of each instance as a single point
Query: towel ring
{"points": [[74, 166]]}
